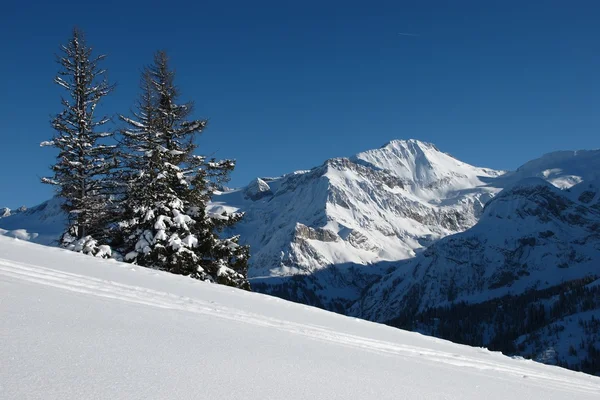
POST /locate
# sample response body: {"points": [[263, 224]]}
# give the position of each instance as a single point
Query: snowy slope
{"points": [[75, 327], [561, 168]]}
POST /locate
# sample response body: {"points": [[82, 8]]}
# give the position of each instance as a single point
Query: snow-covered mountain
{"points": [[561, 168], [76, 327], [335, 227], [41, 224], [531, 236]]}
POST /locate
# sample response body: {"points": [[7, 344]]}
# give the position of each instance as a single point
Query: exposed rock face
{"points": [[322, 235]]}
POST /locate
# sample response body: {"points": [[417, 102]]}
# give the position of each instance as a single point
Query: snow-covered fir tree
{"points": [[85, 160], [166, 224]]}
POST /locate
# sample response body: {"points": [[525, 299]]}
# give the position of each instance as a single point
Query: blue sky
{"points": [[287, 85]]}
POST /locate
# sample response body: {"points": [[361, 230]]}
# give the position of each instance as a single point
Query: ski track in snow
{"points": [[148, 297]]}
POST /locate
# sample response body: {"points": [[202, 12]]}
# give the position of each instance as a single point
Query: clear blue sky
{"points": [[287, 85]]}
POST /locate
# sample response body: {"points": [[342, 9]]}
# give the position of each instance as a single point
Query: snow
{"points": [[19, 234], [175, 242], [104, 251], [181, 220], [190, 241], [76, 327], [161, 222]]}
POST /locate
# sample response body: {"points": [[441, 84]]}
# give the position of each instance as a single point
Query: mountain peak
{"points": [[432, 173], [411, 148], [409, 143], [257, 189]]}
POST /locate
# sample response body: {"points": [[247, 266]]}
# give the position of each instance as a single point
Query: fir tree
{"points": [[84, 161], [166, 224]]}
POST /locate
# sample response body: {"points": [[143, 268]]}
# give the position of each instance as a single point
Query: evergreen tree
{"points": [[84, 160], [166, 224]]}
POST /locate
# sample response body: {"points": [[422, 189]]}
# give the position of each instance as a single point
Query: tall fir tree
{"points": [[166, 224], [84, 161]]}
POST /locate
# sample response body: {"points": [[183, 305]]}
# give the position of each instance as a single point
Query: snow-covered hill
{"points": [[75, 327]]}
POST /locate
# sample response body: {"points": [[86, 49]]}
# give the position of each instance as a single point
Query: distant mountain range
{"points": [[410, 236]]}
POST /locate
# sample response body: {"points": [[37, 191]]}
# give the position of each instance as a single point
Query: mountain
{"points": [[528, 269], [76, 327], [321, 236], [7, 212], [530, 237], [41, 224]]}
